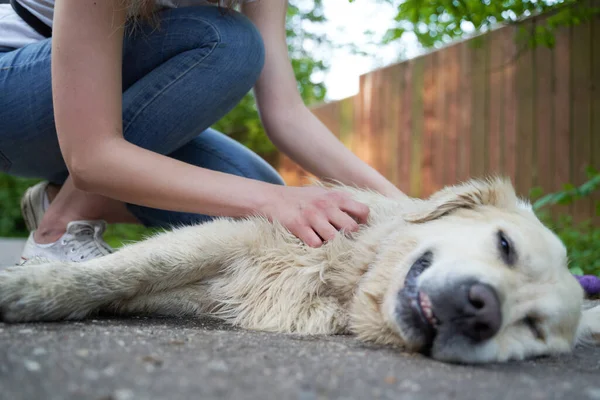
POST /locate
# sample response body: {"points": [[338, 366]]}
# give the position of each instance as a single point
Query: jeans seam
{"points": [[5, 163], [24, 64], [172, 82]]}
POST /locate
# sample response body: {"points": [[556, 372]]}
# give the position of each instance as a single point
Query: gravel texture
{"points": [[155, 358]]}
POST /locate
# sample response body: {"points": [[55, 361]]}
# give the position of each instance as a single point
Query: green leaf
{"points": [[393, 34], [591, 171], [536, 192], [576, 271]]}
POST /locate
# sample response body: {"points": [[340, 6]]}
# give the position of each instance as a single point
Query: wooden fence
{"points": [[488, 105]]}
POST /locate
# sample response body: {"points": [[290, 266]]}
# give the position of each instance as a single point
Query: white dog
{"points": [[468, 275]]}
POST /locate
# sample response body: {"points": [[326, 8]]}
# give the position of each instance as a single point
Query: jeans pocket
{"points": [[5, 163]]}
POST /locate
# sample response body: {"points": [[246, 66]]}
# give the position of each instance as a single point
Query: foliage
{"points": [[11, 190], [436, 22], [243, 122], [582, 239]]}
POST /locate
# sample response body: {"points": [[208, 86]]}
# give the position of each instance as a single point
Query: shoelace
{"points": [[90, 241]]}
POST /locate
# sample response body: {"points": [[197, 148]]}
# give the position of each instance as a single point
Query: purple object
{"points": [[590, 284]]}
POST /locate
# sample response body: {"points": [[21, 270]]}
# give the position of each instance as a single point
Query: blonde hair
{"points": [[144, 9]]}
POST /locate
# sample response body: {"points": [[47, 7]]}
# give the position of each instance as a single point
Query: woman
{"points": [[113, 110]]}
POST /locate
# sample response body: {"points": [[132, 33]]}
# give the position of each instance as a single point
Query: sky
{"points": [[347, 23]]}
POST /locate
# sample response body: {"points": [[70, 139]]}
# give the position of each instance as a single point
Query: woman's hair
{"points": [[144, 9]]}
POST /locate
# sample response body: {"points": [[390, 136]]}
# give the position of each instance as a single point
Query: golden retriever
{"points": [[469, 275]]}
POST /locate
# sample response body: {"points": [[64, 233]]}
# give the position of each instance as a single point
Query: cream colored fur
{"points": [[256, 275]]}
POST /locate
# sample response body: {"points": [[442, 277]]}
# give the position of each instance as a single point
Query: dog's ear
{"points": [[588, 331], [497, 192]]}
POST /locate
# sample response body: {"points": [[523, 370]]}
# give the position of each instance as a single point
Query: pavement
{"points": [[10, 250], [171, 358]]}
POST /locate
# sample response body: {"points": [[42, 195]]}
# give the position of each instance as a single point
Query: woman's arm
{"points": [[289, 123], [86, 83]]}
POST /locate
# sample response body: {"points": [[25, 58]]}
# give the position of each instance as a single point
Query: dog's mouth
{"points": [[414, 309]]}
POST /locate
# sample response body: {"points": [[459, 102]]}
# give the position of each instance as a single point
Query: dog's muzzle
{"points": [[465, 307]]}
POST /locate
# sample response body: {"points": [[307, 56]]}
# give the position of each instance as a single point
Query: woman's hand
{"points": [[315, 214]]}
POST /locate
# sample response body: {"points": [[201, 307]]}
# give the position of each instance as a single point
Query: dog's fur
{"points": [[257, 275]]}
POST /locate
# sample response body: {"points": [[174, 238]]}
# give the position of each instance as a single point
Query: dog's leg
{"points": [[190, 300], [55, 291]]}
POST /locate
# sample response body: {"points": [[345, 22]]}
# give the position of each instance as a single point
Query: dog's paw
{"points": [[17, 294], [588, 332], [30, 293]]}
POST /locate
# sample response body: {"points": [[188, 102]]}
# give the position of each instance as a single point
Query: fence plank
{"points": [[374, 132], [405, 127], [562, 112], [581, 64], [431, 131], [509, 104], [525, 116], [361, 145], [392, 121], [544, 110], [438, 140], [387, 120], [496, 81], [381, 138], [347, 121], [479, 107], [465, 121], [397, 110], [416, 127], [452, 106], [596, 113]]}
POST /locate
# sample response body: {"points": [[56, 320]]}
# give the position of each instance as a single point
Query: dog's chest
{"points": [[295, 289]]}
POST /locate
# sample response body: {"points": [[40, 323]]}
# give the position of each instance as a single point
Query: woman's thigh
{"points": [[178, 79], [28, 142]]}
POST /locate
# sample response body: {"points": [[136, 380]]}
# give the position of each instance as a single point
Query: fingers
{"points": [[342, 221], [307, 235], [327, 221], [322, 226], [358, 210], [318, 215]]}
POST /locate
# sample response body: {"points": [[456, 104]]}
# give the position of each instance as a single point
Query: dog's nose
{"points": [[483, 317], [471, 309]]}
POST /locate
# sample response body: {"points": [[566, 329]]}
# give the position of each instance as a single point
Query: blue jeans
{"points": [[178, 80]]}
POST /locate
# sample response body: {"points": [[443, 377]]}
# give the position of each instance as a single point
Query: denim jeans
{"points": [[178, 80]]}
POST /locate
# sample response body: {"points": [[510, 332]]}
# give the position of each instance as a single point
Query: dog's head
{"points": [[473, 277]]}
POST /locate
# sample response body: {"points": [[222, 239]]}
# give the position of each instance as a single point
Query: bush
{"points": [[582, 239], [11, 190]]}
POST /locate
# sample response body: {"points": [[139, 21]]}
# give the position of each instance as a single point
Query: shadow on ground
{"points": [[166, 358]]}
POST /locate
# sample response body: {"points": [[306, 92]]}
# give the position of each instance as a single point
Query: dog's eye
{"points": [[534, 327], [505, 247]]}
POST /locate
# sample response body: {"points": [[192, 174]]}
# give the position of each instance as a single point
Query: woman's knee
{"points": [[246, 46], [227, 44]]}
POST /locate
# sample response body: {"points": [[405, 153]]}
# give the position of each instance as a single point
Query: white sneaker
{"points": [[34, 204], [82, 241]]}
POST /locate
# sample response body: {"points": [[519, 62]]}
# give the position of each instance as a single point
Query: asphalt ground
{"points": [[170, 358]]}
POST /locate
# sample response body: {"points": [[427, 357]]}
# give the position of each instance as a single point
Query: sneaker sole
{"points": [[30, 217]]}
